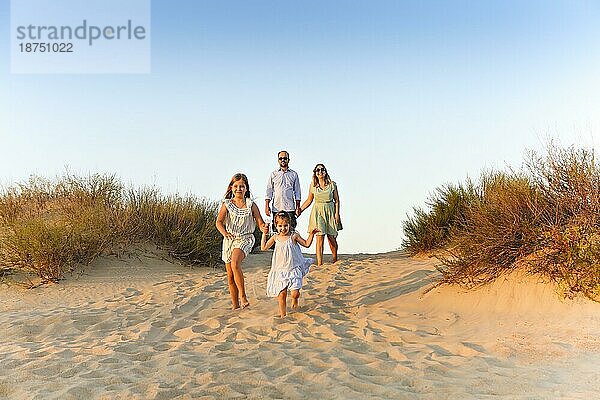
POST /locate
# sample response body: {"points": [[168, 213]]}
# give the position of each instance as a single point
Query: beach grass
{"points": [[48, 226], [543, 219], [431, 229]]}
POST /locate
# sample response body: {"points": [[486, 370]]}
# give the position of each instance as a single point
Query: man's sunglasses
{"points": [[283, 158]]}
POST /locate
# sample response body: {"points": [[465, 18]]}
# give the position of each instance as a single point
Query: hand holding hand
{"points": [[228, 235], [264, 228], [314, 231]]}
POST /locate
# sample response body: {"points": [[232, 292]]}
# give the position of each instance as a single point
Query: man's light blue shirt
{"points": [[283, 189]]}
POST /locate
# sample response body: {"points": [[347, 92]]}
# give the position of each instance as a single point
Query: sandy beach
{"points": [[142, 327]]}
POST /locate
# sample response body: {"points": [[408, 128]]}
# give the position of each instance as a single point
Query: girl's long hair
{"points": [[316, 180], [235, 178]]}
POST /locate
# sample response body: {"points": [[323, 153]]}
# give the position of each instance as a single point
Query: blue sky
{"points": [[395, 97]]}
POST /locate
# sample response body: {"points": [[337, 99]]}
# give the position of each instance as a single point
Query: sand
{"points": [[143, 327]]}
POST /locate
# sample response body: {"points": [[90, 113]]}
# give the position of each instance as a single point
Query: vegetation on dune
{"points": [[49, 226], [544, 219], [428, 230], [184, 224]]}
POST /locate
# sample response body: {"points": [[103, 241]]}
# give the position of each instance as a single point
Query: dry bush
{"points": [[544, 219], [499, 228], [47, 227], [570, 182]]}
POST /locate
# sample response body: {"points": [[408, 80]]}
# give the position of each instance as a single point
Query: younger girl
{"points": [[288, 266], [236, 222]]}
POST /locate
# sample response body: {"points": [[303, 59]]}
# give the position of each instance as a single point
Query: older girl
{"points": [[237, 221]]}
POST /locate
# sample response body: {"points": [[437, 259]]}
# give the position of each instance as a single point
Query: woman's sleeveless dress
{"points": [[288, 267], [322, 215], [240, 223]]}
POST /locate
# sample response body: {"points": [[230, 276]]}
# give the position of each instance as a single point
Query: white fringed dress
{"points": [[239, 222]]}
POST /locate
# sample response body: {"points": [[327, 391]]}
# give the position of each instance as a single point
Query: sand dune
{"points": [[141, 327]]}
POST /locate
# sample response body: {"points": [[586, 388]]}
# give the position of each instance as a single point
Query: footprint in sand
{"points": [[185, 334], [163, 347], [130, 292]]}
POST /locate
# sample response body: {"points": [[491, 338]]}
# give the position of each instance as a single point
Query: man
{"points": [[283, 189]]}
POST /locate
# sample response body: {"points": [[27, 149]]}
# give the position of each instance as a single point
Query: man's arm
{"points": [[297, 194], [269, 195]]}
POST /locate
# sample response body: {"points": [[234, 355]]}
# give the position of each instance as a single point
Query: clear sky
{"points": [[394, 97]]}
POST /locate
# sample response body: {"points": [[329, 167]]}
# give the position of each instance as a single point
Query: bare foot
{"points": [[294, 304], [245, 303], [334, 260]]}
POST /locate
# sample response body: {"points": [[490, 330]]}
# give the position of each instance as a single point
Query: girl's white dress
{"points": [[288, 267]]}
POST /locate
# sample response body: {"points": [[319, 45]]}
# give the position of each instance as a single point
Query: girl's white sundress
{"points": [[288, 267], [240, 223]]}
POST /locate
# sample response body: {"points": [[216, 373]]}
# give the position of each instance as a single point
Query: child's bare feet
{"points": [[295, 297]]}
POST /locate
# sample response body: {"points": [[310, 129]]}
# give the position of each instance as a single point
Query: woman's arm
{"points": [[309, 239], [308, 201], [220, 223], [266, 244], [336, 198]]}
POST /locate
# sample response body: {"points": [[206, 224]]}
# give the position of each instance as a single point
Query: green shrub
{"points": [[430, 230]]}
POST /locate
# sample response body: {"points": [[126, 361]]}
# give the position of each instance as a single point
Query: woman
{"points": [[236, 221], [325, 214]]}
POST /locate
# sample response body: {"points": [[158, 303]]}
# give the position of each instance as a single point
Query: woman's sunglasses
{"points": [[320, 170]]}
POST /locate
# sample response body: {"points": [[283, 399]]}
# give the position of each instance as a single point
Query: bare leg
{"points": [[238, 276], [233, 290], [319, 248], [333, 245], [295, 296], [282, 299]]}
